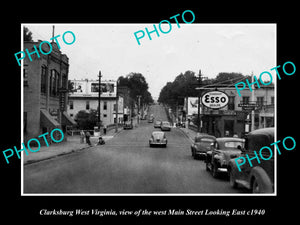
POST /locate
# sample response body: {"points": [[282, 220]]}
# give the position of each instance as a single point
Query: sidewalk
{"points": [[71, 145], [191, 134]]}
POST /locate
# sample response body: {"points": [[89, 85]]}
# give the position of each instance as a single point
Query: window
{"points": [[44, 79], [64, 81], [104, 115], [231, 103], [246, 99], [272, 100], [54, 83], [71, 103], [260, 101], [87, 105], [105, 106], [25, 75]]}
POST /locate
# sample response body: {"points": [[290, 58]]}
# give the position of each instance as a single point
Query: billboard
{"points": [[192, 105], [91, 88]]}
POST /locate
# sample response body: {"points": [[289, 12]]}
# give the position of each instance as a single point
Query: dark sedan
{"points": [[222, 150], [201, 145]]}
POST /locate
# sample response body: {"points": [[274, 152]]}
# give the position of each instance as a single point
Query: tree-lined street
{"points": [[126, 164]]}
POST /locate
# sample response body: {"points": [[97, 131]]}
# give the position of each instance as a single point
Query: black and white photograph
{"points": [[171, 147], [132, 115]]}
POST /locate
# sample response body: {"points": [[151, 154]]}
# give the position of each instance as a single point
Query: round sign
{"points": [[215, 99]]}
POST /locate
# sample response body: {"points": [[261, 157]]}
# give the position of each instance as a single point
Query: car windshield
{"points": [[158, 135], [204, 140], [165, 123], [233, 144]]}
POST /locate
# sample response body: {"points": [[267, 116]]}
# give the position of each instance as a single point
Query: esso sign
{"points": [[215, 99]]}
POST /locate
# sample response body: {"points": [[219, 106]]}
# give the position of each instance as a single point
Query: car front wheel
{"points": [[232, 181]]}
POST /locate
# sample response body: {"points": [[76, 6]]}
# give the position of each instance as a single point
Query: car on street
{"points": [[157, 124], [165, 126], [222, 150], [258, 178], [158, 138], [151, 119], [202, 144], [127, 125]]}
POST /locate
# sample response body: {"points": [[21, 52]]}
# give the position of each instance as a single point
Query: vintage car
{"points": [[258, 178], [127, 125], [157, 124], [222, 150], [165, 126], [151, 119], [158, 138], [201, 145]]}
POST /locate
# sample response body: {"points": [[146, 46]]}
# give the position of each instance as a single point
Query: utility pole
{"points": [[139, 105], [117, 110], [99, 100], [198, 117], [253, 100]]}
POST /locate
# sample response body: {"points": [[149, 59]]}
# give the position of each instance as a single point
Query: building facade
{"points": [[45, 96], [85, 96]]}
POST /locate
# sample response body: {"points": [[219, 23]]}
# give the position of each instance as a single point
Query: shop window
{"points": [[44, 80], [231, 103], [71, 103], [87, 105]]}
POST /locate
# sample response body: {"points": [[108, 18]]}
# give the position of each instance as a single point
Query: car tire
{"points": [[206, 167], [214, 171], [255, 186]]}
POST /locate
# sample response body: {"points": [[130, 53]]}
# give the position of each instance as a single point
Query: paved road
{"points": [[126, 164]]}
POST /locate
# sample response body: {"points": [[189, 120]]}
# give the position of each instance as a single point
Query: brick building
{"points": [[45, 80]]}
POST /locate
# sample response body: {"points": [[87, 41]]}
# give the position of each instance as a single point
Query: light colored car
{"points": [[157, 124], [158, 138], [165, 126]]}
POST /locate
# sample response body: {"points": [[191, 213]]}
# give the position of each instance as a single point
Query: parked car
{"points": [[157, 124], [222, 150], [158, 138], [165, 126], [127, 125], [150, 120], [260, 177], [201, 145]]}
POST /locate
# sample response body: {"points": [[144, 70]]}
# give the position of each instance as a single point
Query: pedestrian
{"points": [[100, 141], [104, 129], [82, 136], [87, 138]]}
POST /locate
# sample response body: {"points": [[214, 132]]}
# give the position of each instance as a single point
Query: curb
{"points": [[66, 153], [53, 156]]}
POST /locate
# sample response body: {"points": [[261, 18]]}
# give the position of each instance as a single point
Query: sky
{"points": [[211, 48]]}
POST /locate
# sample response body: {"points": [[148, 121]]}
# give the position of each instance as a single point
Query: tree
{"points": [[27, 34], [86, 120], [137, 86]]}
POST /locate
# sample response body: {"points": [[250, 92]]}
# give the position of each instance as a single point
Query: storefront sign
{"points": [[215, 99]]}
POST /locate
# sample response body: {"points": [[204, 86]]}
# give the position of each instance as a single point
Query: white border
{"points": [[165, 194]]}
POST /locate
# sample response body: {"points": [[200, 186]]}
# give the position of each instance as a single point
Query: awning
{"points": [[67, 120], [47, 120]]}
